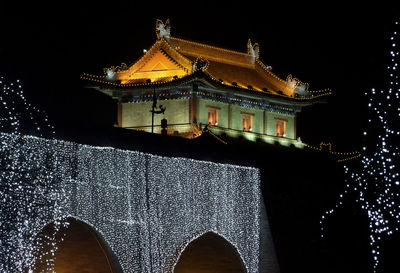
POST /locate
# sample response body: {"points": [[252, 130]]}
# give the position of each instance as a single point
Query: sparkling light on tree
{"points": [[29, 195], [17, 115], [377, 183]]}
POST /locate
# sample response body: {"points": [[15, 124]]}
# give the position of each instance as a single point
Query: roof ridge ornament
{"points": [[111, 71], [253, 50], [200, 64], [163, 31], [299, 88]]}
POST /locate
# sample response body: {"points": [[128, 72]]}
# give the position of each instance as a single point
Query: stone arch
{"points": [[208, 252], [82, 247]]}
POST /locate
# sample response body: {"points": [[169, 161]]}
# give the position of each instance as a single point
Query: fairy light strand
{"points": [[147, 208], [28, 194], [377, 183]]}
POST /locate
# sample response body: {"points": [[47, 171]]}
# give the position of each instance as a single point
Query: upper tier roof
{"points": [[171, 58], [211, 53], [231, 67]]}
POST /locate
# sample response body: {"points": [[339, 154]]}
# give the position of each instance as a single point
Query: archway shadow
{"points": [[80, 248], [208, 253]]}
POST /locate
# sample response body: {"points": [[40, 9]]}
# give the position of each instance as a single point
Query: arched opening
{"points": [[81, 250], [210, 253]]}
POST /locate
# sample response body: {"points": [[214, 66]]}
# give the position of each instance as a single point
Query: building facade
{"points": [[232, 93]]}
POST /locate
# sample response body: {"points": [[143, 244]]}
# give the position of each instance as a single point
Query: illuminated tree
{"points": [[377, 183], [29, 194]]}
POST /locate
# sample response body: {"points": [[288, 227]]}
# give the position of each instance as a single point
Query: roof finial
{"points": [[253, 50], [163, 30], [296, 87], [200, 64]]}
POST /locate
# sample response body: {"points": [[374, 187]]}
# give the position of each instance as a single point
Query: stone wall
{"points": [[147, 208]]}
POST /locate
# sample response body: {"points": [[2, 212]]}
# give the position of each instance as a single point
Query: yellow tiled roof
{"points": [[171, 58], [211, 53], [233, 67]]}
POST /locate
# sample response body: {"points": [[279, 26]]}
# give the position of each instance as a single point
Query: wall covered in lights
{"points": [[147, 208]]}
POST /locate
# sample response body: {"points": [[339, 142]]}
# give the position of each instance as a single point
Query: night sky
{"points": [[342, 48]]}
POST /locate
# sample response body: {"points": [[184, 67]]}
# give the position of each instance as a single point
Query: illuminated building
{"points": [[232, 92]]}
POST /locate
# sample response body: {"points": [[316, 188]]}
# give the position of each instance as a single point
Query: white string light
{"points": [[17, 115], [29, 196], [377, 183], [147, 208]]}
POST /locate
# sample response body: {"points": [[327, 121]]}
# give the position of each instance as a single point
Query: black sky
{"points": [[338, 47], [331, 46]]}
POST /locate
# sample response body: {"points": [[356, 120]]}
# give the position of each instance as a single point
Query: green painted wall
{"points": [[135, 114], [237, 118], [178, 111]]}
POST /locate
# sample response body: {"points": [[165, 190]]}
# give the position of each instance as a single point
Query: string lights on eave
{"points": [[165, 42], [377, 182]]}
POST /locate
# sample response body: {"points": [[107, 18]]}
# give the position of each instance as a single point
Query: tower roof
{"points": [[173, 58]]}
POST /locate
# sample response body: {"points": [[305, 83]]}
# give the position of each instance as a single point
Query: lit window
{"points": [[247, 122], [213, 116], [280, 128]]}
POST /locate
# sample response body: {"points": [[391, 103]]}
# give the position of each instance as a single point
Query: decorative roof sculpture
{"points": [[253, 50], [163, 30]]}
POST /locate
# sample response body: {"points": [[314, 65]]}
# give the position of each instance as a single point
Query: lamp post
{"points": [[154, 111]]}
